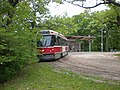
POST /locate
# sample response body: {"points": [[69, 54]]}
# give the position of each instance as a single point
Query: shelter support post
{"points": [[90, 45], [79, 46]]}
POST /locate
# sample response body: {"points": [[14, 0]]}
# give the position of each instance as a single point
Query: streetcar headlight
{"points": [[42, 50]]}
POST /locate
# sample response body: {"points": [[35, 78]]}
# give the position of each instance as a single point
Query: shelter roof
{"points": [[81, 37]]}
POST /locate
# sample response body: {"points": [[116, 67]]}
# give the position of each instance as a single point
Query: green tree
{"points": [[63, 25], [93, 23], [18, 35]]}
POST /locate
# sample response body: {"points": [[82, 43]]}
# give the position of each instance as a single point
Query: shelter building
{"points": [[75, 42]]}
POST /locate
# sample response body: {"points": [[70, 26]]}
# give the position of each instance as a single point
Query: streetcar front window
{"points": [[46, 41]]}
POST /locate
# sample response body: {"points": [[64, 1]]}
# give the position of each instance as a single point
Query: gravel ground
{"points": [[105, 65]]}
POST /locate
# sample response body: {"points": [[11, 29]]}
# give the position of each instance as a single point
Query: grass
{"points": [[117, 55], [42, 76]]}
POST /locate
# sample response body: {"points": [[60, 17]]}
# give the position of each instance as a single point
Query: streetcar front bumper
{"points": [[46, 57]]}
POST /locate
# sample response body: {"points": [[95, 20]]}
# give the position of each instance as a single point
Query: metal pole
{"points": [[102, 40]]}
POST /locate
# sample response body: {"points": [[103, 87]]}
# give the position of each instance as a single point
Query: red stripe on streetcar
{"points": [[50, 50], [57, 49]]}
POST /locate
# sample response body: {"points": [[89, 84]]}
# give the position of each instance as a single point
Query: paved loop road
{"points": [[105, 64]]}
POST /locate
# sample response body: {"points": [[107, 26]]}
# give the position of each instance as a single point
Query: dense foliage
{"points": [[62, 25], [106, 23], [17, 35]]}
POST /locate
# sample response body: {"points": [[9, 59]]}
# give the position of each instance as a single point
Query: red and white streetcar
{"points": [[53, 45]]}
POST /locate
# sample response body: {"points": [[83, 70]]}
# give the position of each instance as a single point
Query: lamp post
{"points": [[102, 42]]}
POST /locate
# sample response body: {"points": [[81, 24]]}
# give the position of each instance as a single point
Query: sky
{"points": [[61, 9]]}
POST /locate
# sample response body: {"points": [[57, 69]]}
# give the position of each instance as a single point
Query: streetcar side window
{"points": [[62, 42], [53, 40], [57, 40]]}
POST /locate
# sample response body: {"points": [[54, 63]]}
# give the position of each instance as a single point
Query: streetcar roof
{"points": [[51, 32]]}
